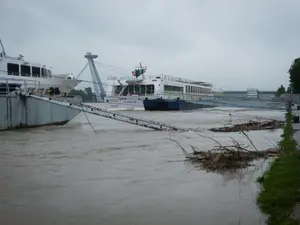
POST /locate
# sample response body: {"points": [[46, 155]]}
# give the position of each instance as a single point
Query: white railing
{"points": [[5, 83], [162, 77]]}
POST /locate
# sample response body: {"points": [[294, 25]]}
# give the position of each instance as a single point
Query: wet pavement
{"points": [[125, 174]]}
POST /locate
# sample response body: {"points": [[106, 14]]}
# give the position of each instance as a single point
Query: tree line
{"points": [[294, 78]]}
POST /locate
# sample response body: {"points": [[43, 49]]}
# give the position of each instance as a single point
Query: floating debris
{"points": [[251, 125], [226, 157]]}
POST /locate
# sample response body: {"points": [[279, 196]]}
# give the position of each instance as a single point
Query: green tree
{"points": [[86, 94], [289, 90], [89, 94], [280, 91], [294, 72]]}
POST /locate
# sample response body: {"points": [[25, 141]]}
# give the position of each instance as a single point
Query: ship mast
{"points": [[139, 71]]}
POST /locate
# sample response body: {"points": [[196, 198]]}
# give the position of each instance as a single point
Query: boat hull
{"points": [[25, 112], [160, 104]]}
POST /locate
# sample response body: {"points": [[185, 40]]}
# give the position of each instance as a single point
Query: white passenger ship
{"points": [[252, 93], [17, 72], [130, 92]]}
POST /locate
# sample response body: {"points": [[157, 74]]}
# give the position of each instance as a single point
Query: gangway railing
{"points": [[155, 125]]}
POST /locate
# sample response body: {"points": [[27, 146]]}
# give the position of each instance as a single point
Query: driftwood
{"points": [[251, 125], [226, 158]]}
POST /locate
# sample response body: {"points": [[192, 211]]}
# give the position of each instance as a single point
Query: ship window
{"points": [[150, 89], [36, 71], [173, 88], [44, 72], [13, 69], [25, 71]]}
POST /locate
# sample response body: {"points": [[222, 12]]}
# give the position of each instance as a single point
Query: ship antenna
{"points": [[143, 70], [3, 50]]}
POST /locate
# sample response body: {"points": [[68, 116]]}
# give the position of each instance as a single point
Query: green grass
{"points": [[280, 184]]}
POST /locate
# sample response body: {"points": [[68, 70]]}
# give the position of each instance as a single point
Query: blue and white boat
{"points": [[161, 92]]}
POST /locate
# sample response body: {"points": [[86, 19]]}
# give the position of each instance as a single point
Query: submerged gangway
{"points": [[151, 124]]}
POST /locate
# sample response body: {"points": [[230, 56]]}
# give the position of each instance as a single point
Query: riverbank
{"points": [[281, 182]]}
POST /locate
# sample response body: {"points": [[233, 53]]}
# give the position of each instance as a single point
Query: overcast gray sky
{"points": [[235, 44]]}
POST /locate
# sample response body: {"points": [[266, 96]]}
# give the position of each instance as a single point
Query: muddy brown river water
{"points": [[125, 174]]}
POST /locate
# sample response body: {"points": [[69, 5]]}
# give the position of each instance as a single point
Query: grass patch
{"points": [[281, 182]]}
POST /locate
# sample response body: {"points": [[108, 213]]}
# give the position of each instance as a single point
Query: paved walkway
{"points": [[296, 127], [296, 211]]}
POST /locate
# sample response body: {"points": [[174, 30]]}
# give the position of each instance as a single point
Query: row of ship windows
{"points": [[137, 89], [27, 71], [149, 89], [189, 89], [192, 89]]}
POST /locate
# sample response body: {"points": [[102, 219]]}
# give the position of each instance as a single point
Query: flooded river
{"points": [[125, 174]]}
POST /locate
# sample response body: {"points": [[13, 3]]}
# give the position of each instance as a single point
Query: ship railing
{"points": [[162, 77], [132, 95], [178, 79], [62, 76], [8, 85], [20, 74]]}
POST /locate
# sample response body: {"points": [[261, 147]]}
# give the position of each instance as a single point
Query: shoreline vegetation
{"points": [[280, 184]]}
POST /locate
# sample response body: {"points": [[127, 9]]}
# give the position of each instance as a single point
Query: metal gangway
{"points": [[151, 124]]}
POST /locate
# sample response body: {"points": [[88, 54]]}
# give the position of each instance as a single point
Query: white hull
{"points": [[64, 85], [120, 103], [125, 102]]}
